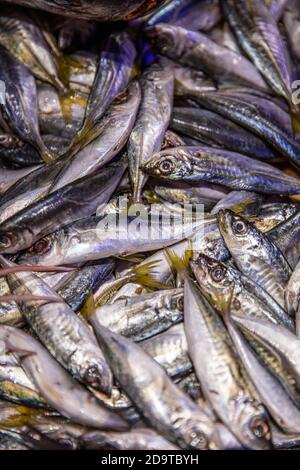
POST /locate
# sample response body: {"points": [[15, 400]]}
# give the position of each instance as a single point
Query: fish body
{"points": [[146, 138]]}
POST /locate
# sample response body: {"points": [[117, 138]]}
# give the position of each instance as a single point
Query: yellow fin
{"points": [[143, 275], [89, 307], [295, 120], [179, 264]]}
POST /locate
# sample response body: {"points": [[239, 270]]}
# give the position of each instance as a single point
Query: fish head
{"points": [[11, 240], [252, 420], [167, 38], [200, 433], [41, 251], [170, 164], [239, 234], [216, 280]]}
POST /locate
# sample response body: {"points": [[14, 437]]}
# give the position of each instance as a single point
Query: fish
{"points": [[216, 131], [93, 10], [19, 110], [112, 77], [286, 237], [233, 170], [254, 254], [141, 438], [291, 295], [164, 406], [146, 138], [9, 177], [89, 239], [15, 385], [21, 36], [117, 125], [259, 36], [141, 317], [278, 8], [67, 204], [59, 389], [195, 15], [246, 203], [170, 350], [59, 115], [195, 49], [182, 193], [75, 288], [63, 333], [228, 290], [9, 311], [272, 126], [280, 406], [222, 381], [277, 339], [16, 153], [291, 19]]}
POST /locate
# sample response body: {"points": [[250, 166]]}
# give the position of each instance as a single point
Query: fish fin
{"points": [[295, 120], [89, 307], [143, 275], [179, 264]]}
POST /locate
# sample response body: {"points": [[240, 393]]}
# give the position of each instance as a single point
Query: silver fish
{"points": [[63, 333], [164, 406], [157, 84], [58, 388], [222, 379]]}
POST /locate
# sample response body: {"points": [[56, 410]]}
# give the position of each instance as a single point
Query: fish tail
{"points": [[180, 264], [143, 274], [89, 307]]}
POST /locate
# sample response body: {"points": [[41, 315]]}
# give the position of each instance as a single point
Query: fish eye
{"points": [[218, 274], [199, 441], [40, 247], [180, 304], [166, 167], [239, 227], [5, 241], [259, 427]]}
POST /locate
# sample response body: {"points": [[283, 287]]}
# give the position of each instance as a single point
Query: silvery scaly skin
{"points": [[72, 202], [60, 115], [278, 403], [9, 312], [163, 405], [92, 9], [222, 35], [170, 350], [62, 332], [58, 388], [222, 378], [286, 236], [249, 204], [291, 21], [112, 77], [259, 115], [277, 8], [136, 439], [20, 108], [292, 292], [76, 287], [259, 36], [116, 125], [23, 39], [191, 14], [233, 170], [88, 240], [146, 138], [9, 177], [15, 385], [278, 340], [214, 130], [254, 254], [196, 50], [226, 289], [143, 316], [182, 193], [28, 189]]}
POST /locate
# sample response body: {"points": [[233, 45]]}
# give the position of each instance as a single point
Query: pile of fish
{"points": [[113, 114]]}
